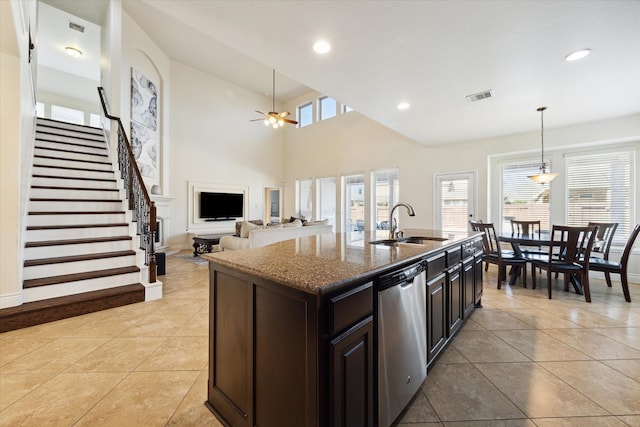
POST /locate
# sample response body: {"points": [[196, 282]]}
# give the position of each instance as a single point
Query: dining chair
{"points": [[528, 228], [569, 252], [602, 243], [494, 254], [607, 267]]}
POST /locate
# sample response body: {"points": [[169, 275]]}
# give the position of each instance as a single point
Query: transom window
{"points": [[305, 115], [327, 108]]}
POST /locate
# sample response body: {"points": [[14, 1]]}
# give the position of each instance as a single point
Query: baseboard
{"points": [[10, 300]]}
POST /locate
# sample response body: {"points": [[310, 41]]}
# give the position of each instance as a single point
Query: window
{"points": [[305, 115], [40, 109], [600, 189], [346, 108], [94, 120], [68, 115], [523, 199], [326, 189], [303, 198], [386, 188], [327, 108], [353, 190]]}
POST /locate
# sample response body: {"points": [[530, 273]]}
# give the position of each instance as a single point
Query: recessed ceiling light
{"points": [[578, 54], [72, 51], [321, 47], [403, 106]]}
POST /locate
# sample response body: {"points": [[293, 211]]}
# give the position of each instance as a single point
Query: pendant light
{"points": [[543, 177]]}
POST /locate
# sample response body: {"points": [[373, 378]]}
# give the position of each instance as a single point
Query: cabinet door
{"points": [[468, 281], [436, 315], [477, 283], [351, 376], [454, 300]]}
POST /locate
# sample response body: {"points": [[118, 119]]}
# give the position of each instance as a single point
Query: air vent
{"points": [[76, 27], [479, 96]]}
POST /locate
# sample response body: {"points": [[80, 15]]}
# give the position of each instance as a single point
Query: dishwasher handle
{"points": [[403, 276]]}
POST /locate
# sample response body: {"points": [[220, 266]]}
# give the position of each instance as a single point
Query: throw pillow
{"points": [[274, 226], [318, 222], [247, 227], [294, 223]]}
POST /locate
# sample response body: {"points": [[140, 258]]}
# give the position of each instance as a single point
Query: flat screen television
{"points": [[221, 206]]}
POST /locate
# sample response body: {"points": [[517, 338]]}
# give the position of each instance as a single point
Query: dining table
{"points": [[541, 239]]}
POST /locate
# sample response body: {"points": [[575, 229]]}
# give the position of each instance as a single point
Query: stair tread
{"points": [[58, 199], [48, 310], [66, 278], [75, 226], [60, 150], [42, 121], [74, 212], [101, 147], [94, 162], [70, 168], [97, 138], [55, 187], [75, 241], [79, 178], [74, 258]]}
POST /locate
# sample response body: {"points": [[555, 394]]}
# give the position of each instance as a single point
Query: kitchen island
{"points": [[293, 325]]}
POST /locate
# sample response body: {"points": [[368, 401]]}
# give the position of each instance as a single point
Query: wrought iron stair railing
{"points": [[141, 205]]}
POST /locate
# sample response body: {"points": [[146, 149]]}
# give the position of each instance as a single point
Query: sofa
{"points": [[252, 235]]}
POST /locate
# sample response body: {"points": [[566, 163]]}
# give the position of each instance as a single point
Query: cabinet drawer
{"points": [[348, 308], [436, 265], [453, 256]]}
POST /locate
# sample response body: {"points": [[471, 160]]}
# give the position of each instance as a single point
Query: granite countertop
{"points": [[325, 262]]}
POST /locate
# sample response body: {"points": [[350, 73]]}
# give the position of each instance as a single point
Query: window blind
{"points": [[600, 188], [523, 199]]}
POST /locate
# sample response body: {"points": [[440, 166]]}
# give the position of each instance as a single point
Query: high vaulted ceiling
{"points": [[430, 54]]}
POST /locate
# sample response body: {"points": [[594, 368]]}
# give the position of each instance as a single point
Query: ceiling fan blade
{"points": [[260, 112], [257, 120], [284, 114], [293, 122]]}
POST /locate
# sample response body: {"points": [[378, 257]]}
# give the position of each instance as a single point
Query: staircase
{"points": [[79, 252]]}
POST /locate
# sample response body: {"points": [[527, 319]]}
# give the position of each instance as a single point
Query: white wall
{"points": [[213, 142], [17, 112]]}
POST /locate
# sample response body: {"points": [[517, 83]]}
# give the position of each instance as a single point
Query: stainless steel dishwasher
{"points": [[402, 339]]}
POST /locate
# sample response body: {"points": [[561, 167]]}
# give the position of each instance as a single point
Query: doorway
{"points": [[455, 201], [272, 205]]}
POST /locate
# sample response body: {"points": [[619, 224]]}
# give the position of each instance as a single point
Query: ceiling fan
{"points": [[273, 118]]}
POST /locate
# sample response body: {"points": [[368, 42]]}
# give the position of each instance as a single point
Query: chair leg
{"points": [[625, 287], [549, 281], [486, 266], [533, 276], [567, 276], [607, 276], [585, 286], [524, 275]]}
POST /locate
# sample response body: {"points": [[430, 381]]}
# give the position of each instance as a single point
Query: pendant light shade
{"points": [[543, 177]]}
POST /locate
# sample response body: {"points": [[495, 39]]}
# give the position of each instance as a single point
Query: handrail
{"points": [[143, 208]]}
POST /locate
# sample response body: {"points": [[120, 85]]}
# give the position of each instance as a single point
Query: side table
{"points": [[204, 244]]}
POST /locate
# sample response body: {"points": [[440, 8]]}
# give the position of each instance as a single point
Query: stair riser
{"points": [[68, 133], [55, 193], [91, 142], [98, 156], [34, 220], [54, 126], [75, 206], [79, 183], [71, 288], [40, 271], [79, 249], [73, 164], [43, 170], [75, 233], [89, 148]]}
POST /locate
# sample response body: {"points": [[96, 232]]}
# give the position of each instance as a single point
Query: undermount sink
{"points": [[417, 240]]}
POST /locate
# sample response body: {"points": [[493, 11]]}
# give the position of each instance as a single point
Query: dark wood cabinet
{"points": [[468, 284], [454, 300], [436, 315], [477, 283], [351, 376]]}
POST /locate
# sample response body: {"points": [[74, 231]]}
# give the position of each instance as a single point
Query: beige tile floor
{"points": [[521, 360]]}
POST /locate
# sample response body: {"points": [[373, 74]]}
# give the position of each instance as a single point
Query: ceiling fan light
{"points": [[266, 122], [272, 119], [276, 126], [281, 122]]}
